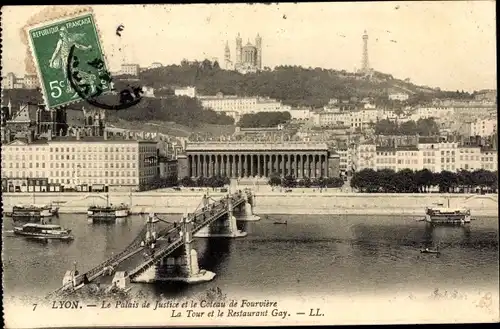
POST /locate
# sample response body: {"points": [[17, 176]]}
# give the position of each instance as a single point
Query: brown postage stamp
{"points": [[180, 165]]}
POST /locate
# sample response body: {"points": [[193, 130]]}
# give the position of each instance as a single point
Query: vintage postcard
{"points": [[249, 164]]}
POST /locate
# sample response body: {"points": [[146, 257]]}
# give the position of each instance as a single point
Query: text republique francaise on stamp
{"points": [[59, 47]]}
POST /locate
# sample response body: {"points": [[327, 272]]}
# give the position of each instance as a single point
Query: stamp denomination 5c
{"points": [[51, 44]]}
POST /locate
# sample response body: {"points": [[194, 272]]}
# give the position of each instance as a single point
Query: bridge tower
{"points": [[151, 227], [225, 226], [246, 213], [181, 265]]}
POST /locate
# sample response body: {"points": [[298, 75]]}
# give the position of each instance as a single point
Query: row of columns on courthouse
{"points": [[258, 165]]}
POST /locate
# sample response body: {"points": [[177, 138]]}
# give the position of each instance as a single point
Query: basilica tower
{"points": [[238, 49], [258, 45], [227, 57]]}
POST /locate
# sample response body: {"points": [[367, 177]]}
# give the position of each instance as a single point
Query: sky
{"points": [[451, 44]]}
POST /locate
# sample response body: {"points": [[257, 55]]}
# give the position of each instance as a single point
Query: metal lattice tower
{"points": [[365, 65]]}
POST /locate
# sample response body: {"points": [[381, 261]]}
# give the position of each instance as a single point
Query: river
{"points": [[312, 255]]}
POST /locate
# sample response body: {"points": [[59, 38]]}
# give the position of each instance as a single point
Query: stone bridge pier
{"points": [[244, 212], [180, 265], [225, 226]]}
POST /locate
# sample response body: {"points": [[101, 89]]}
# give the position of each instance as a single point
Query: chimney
{"points": [[77, 134], [49, 134], [8, 136], [105, 133], [30, 136]]}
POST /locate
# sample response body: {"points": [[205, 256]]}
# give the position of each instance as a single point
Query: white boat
{"points": [[447, 215], [429, 251], [48, 210], [43, 231]]}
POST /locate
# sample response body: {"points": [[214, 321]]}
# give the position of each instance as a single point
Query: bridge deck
{"points": [[140, 258], [216, 212]]}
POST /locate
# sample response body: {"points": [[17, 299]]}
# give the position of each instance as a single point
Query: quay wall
{"points": [[296, 202]]}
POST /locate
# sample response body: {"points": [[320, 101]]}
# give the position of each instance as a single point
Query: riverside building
{"points": [[432, 155], [84, 163], [250, 159]]}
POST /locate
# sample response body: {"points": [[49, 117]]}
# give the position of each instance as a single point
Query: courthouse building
{"points": [[250, 159]]}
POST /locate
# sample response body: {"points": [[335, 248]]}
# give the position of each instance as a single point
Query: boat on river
{"points": [[34, 211], [447, 215], [430, 251], [108, 212], [43, 231]]}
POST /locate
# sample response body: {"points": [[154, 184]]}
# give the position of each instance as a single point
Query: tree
{"points": [[274, 180], [366, 180], [427, 127], [408, 128], [406, 181], [320, 182], [423, 179], [386, 178], [306, 182], [385, 127], [334, 182], [172, 180], [264, 119], [187, 182], [288, 181], [447, 181], [465, 180], [201, 181]]}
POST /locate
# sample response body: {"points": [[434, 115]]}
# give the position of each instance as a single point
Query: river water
{"points": [[312, 255]]}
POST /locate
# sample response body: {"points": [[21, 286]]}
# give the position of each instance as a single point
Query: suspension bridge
{"points": [[166, 254]]}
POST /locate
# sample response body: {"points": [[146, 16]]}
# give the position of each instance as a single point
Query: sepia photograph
{"points": [[249, 164]]}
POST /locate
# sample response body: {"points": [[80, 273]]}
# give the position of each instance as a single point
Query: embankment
{"points": [[266, 202]]}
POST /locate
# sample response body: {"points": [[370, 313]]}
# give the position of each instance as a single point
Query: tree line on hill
{"points": [[293, 85], [422, 127], [408, 181], [291, 182], [180, 109], [264, 119]]}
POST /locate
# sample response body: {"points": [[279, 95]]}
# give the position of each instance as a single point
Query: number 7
{"points": [[34, 306]]}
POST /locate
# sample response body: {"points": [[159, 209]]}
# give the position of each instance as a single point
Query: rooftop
{"points": [[83, 139], [398, 148], [253, 146]]}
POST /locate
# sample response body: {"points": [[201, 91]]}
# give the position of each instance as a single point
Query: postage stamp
{"points": [[180, 165], [58, 47]]}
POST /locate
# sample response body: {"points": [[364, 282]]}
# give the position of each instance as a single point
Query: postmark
{"points": [[51, 44], [91, 89]]}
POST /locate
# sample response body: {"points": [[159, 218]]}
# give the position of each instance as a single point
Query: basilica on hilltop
{"points": [[248, 57]]}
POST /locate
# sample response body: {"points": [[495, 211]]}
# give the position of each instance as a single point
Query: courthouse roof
{"points": [[253, 146]]}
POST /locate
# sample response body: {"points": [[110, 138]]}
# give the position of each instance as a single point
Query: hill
{"points": [[293, 85], [181, 110]]}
